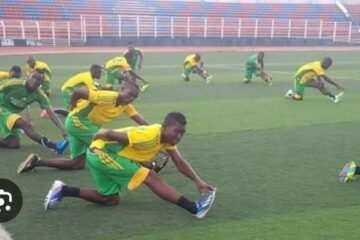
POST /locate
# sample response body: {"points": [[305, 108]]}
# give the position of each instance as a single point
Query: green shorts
{"points": [[66, 95], [113, 173], [132, 64], [188, 70], [111, 75], [7, 122], [251, 70], [299, 87], [80, 133], [46, 87]]}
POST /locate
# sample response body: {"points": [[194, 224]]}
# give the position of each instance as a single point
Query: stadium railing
{"points": [[122, 26]]}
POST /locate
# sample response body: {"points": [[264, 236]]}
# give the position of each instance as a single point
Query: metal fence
{"points": [[121, 26]]}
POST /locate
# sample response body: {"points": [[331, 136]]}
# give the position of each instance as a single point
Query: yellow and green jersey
{"points": [[190, 61], [41, 66], [4, 75], [144, 143], [101, 107], [15, 97], [308, 71], [117, 63], [81, 80]]}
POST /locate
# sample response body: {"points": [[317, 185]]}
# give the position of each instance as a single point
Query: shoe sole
{"points": [[210, 205], [47, 203], [22, 165], [342, 175]]}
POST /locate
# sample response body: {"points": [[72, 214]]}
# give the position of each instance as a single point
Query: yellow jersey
{"points": [[144, 143], [4, 75], [118, 63], [101, 107], [308, 71], [41, 66], [81, 80], [190, 62]]}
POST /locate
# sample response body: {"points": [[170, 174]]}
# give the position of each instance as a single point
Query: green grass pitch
{"points": [[274, 161]]}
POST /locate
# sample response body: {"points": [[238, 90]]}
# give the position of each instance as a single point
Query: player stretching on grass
{"points": [[312, 75], [349, 171], [84, 79], [255, 66], [194, 64], [15, 96], [119, 69], [84, 121], [15, 72], [114, 156], [132, 55]]}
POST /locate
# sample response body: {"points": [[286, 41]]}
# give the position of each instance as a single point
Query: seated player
{"points": [[255, 66], [312, 75], [15, 96], [194, 64], [114, 156]]}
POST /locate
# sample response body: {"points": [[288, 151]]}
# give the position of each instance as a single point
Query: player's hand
{"points": [[139, 66], [203, 187]]}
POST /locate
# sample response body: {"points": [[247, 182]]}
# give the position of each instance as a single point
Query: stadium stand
{"points": [[71, 9]]}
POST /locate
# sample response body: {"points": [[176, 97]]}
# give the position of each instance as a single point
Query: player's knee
{"points": [[13, 142], [111, 200], [78, 163], [152, 179]]}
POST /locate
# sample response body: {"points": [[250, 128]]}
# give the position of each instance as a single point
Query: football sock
{"points": [[187, 204], [70, 191]]}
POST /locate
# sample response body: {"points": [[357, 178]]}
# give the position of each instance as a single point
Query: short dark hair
{"points": [[16, 69], [95, 66], [174, 117]]}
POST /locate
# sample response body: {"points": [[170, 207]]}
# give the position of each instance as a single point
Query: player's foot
{"points": [[204, 204], [60, 147], [338, 97], [54, 195], [44, 114], [144, 87], [289, 93], [348, 172], [246, 80], [28, 164], [269, 81], [161, 162], [207, 80]]}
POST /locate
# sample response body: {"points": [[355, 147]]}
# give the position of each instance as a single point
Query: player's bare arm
{"points": [[55, 119], [139, 120], [185, 168]]}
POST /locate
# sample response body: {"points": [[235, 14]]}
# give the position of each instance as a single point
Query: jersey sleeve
{"points": [[102, 97], [130, 110], [42, 99], [138, 135]]}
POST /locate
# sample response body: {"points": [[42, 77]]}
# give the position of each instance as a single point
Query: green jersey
{"points": [[132, 56], [15, 97], [252, 60]]}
